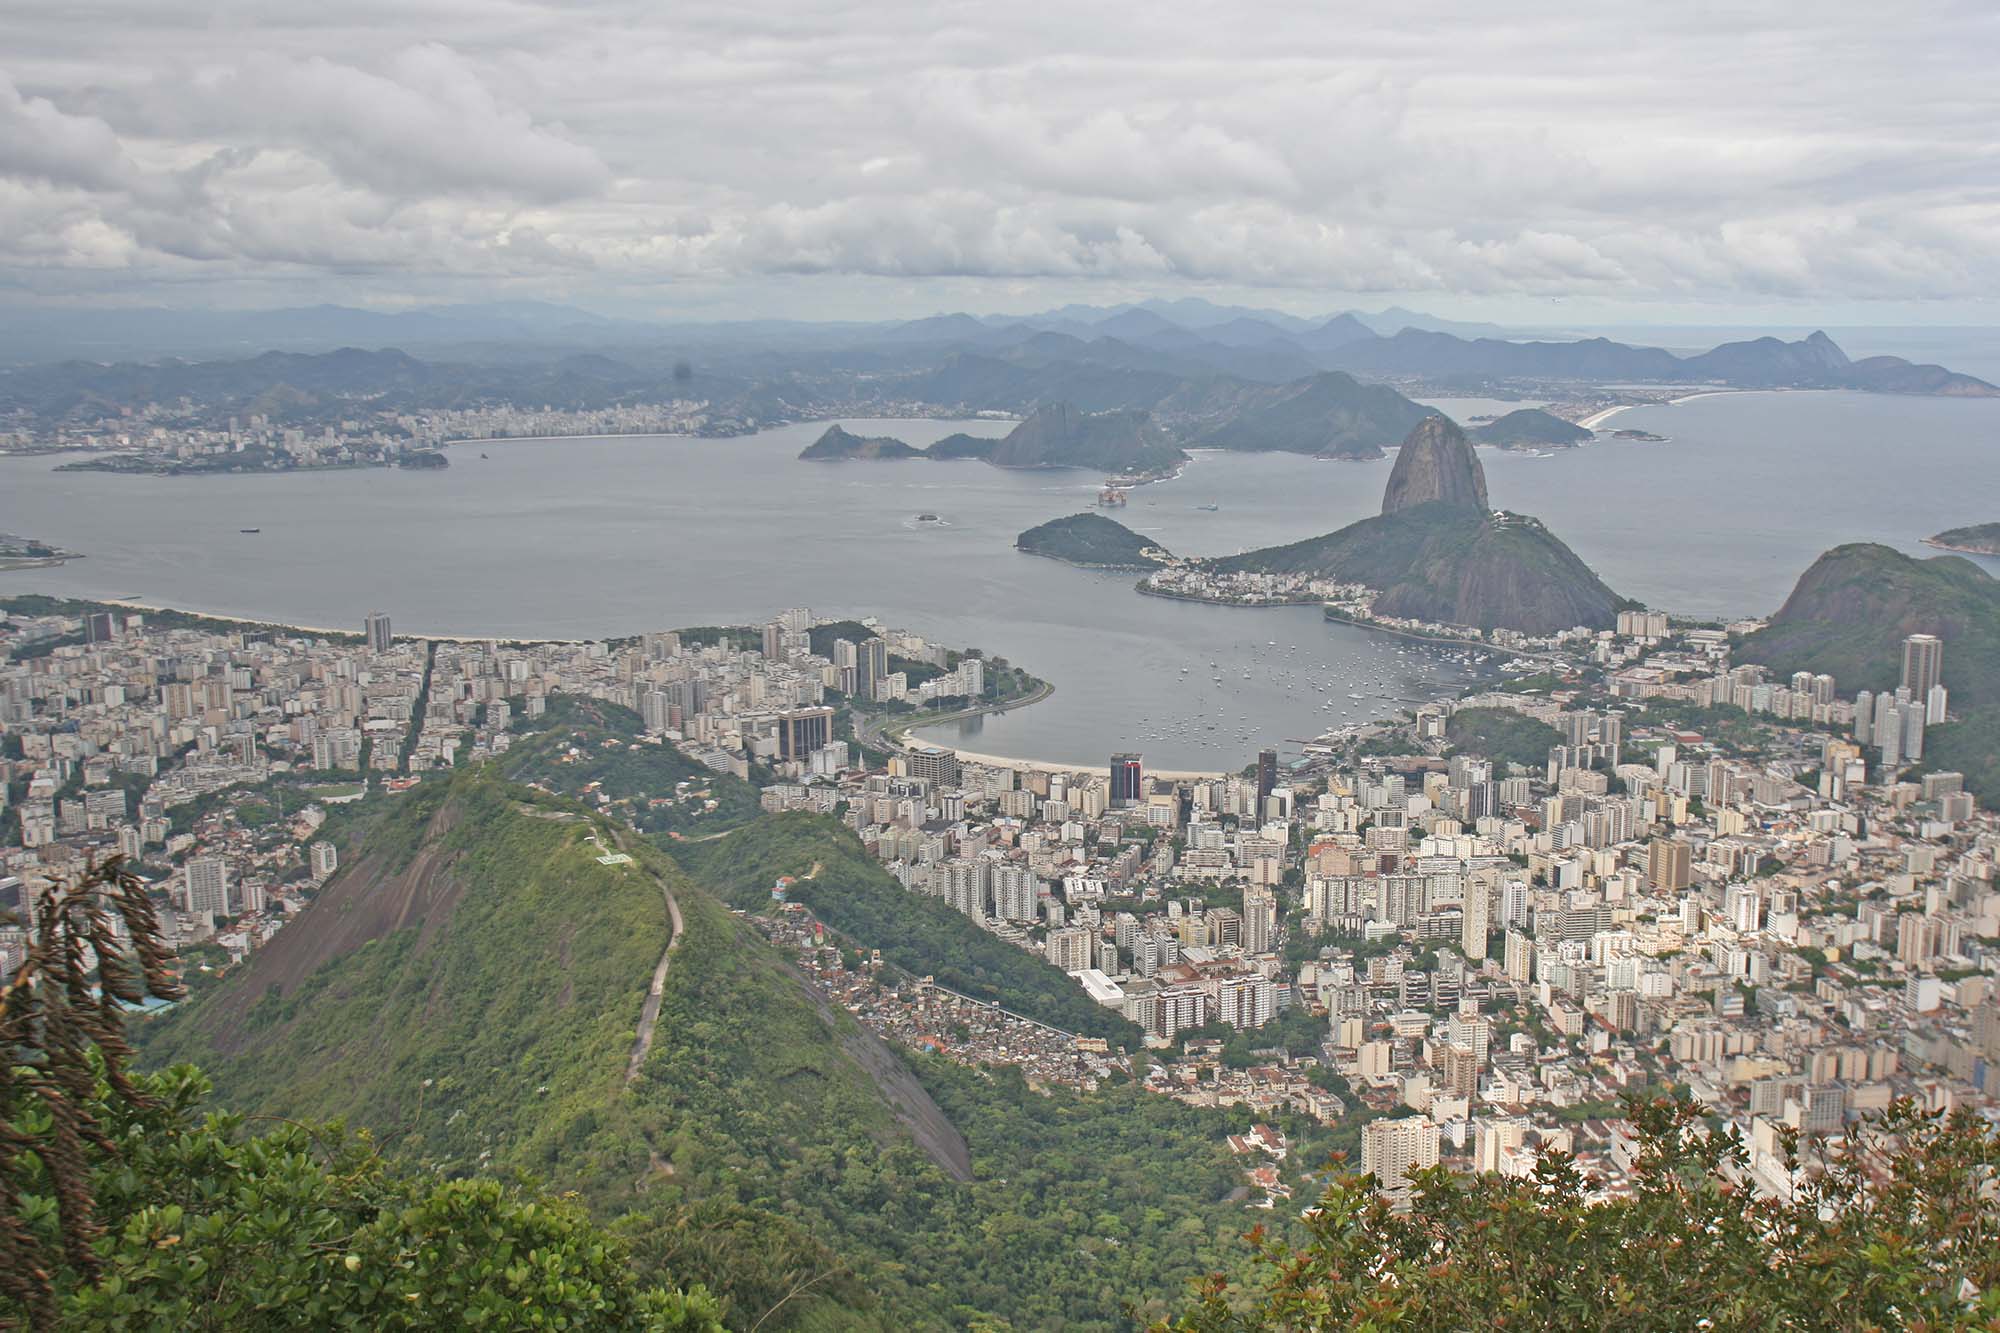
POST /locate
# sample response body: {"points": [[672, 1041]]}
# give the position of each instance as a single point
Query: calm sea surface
{"points": [[583, 538]]}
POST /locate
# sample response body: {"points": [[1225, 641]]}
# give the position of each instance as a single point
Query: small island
{"points": [[839, 443], [31, 553], [1978, 539], [1531, 428], [422, 459], [1093, 542]]}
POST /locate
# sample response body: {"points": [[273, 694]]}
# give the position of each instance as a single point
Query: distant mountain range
{"points": [[1207, 376]]}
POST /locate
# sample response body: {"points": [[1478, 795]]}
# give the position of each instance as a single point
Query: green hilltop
{"points": [[1531, 427], [1848, 615], [1091, 540], [472, 997]]}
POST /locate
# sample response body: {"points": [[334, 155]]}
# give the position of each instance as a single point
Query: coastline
{"points": [[1960, 550], [1047, 766], [255, 622], [1597, 419]]}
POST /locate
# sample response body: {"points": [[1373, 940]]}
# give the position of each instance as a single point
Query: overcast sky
{"points": [[1799, 162]]}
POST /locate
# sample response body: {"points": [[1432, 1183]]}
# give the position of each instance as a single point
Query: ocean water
{"points": [[592, 537]]}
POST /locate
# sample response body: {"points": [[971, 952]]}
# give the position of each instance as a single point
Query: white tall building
{"points": [[208, 886], [1246, 1001], [1477, 921], [1391, 1149]]}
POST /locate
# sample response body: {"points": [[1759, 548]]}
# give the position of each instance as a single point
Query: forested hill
{"points": [[1848, 615], [920, 934], [768, 1146]]}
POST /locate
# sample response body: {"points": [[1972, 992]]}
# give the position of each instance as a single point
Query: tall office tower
{"points": [[1864, 718], [1267, 776], [1477, 920], [871, 668], [1128, 780], [934, 764], [1260, 920], [803, 730], [1923, 664], [208, 886], [376, 630], [1889, 732], [1668, 865]]}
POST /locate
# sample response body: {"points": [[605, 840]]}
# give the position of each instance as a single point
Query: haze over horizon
{"points": [[1571, 168]]}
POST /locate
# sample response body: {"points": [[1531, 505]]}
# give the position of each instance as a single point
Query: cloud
{"points": [[1621, 154]]}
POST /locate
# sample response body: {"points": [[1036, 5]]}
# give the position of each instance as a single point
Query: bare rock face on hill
{"points": [[1436, 466]]}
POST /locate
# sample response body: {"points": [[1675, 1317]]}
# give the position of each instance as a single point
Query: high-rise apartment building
{"points": [[1477, 920], [1668, 865], [1260, 918], [1391, 1149], [208, 886], [1923, 664], [1267, 776], [375, 629], [1246, 1001], [871, 668]]}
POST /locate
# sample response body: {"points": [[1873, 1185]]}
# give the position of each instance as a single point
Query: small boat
{"points": [[1208, 509], [250, 530], [482, 455]]}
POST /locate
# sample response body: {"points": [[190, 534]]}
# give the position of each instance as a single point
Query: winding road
{"points": [[649, 1013]]}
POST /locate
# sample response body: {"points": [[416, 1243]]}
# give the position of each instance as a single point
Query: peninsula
{"points": [[1435, 555], [1978, 539]]}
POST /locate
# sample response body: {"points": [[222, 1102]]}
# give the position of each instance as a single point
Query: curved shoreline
{"points": [[1936, 545], [256, 622]]}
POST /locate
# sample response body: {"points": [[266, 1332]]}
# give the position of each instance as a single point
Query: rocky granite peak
{"points": [[1436, 466]]}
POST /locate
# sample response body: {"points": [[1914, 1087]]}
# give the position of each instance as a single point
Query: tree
{"points": [[1897, 1228], [122, 1208]]}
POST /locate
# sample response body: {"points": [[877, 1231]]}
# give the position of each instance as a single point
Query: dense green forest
{"points": [[590, 748], [920, 934], [1502, 735], [1076, 1204], [769, 1147]]}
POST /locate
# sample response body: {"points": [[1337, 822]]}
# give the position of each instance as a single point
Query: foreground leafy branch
{"points": [[1898, 1227]]}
